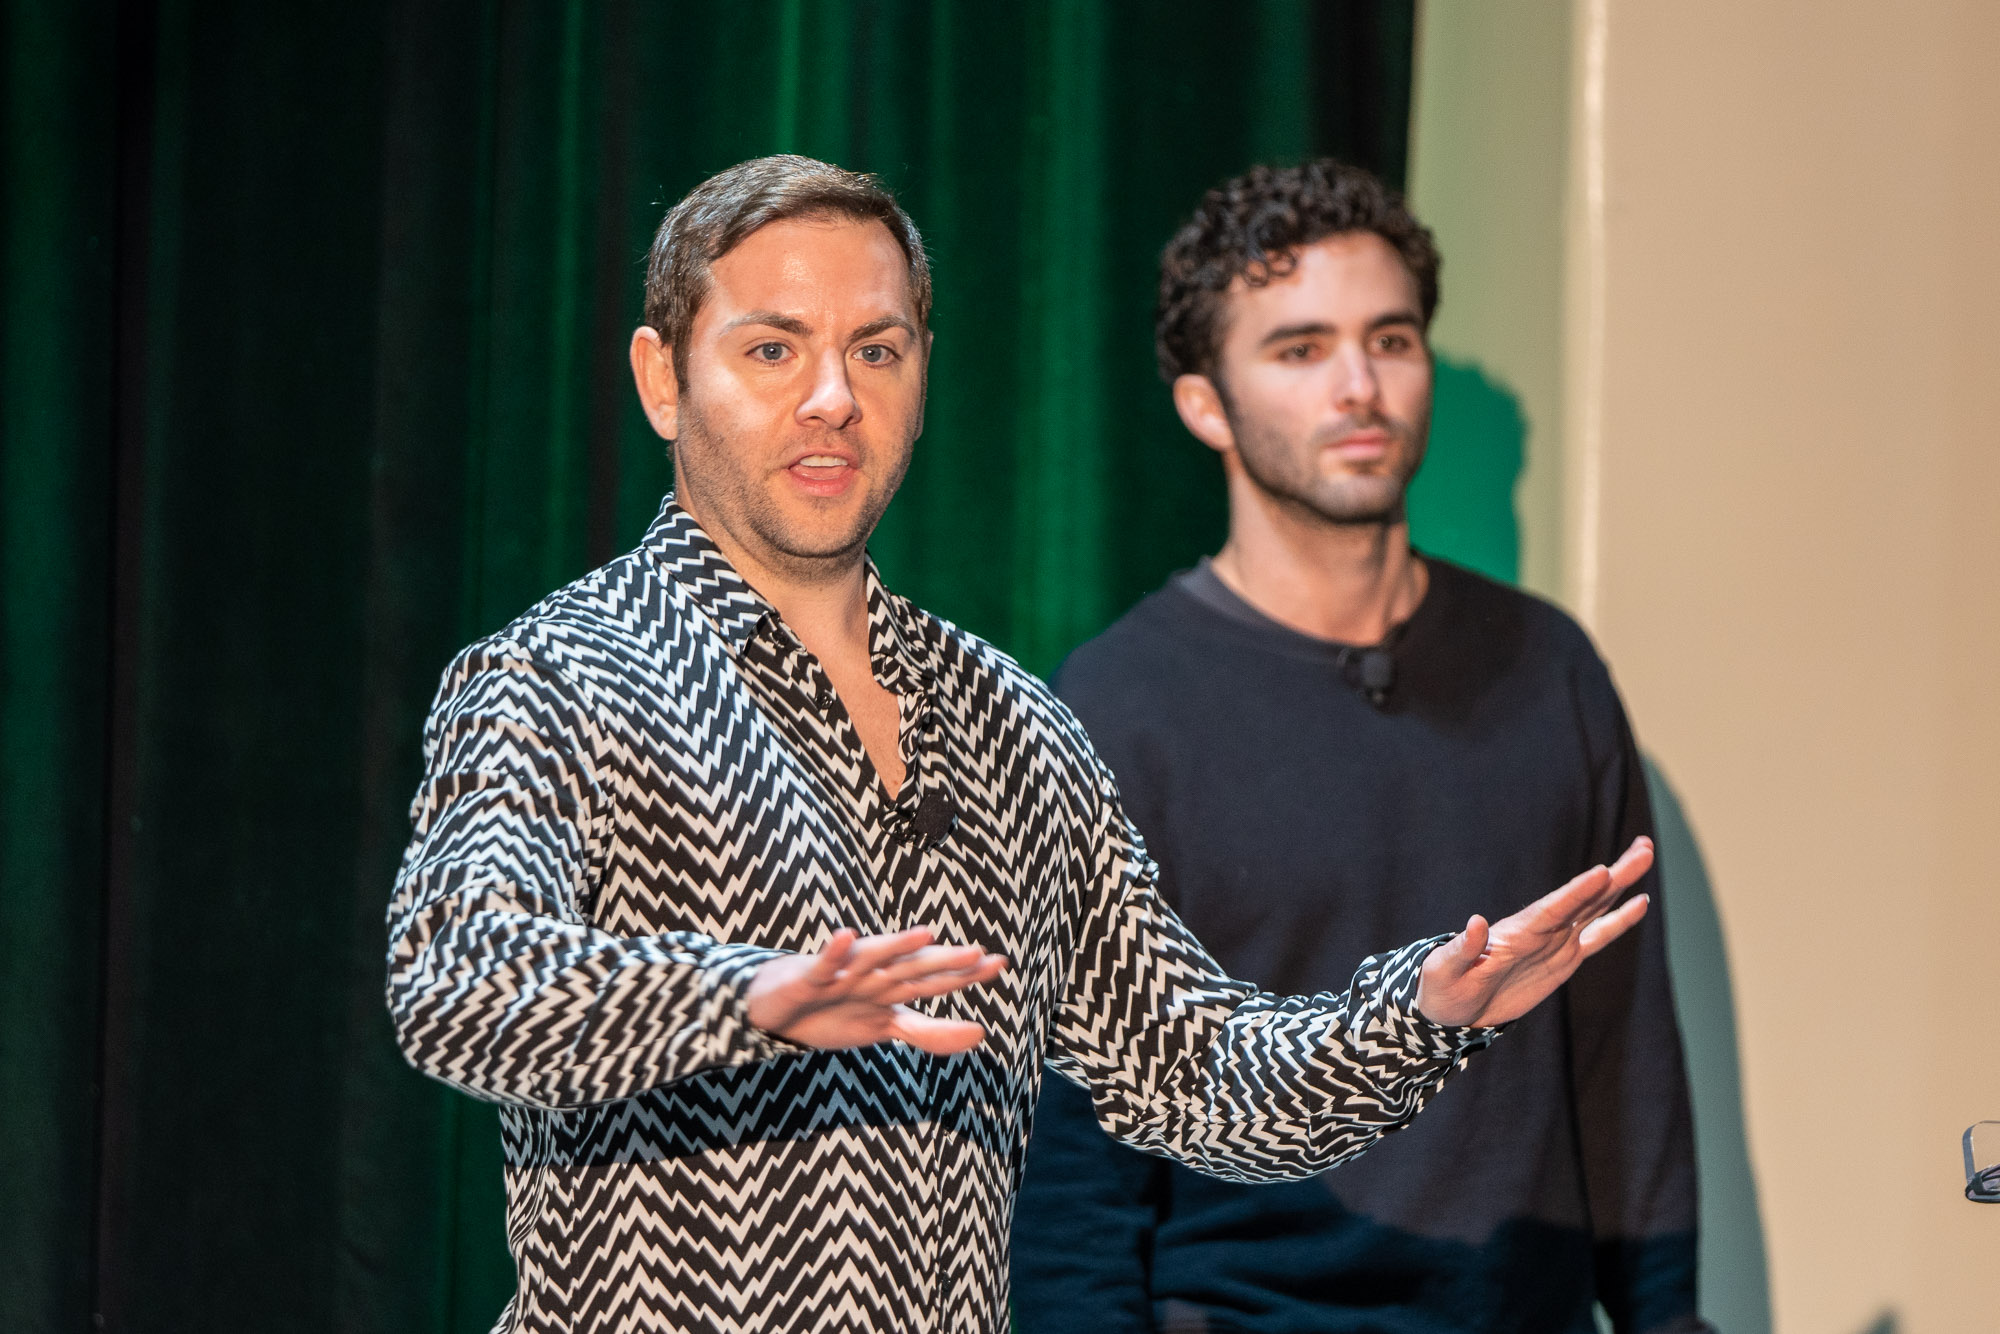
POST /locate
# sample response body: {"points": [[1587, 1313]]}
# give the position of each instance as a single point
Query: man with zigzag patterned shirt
{"points": [[758, 898]]}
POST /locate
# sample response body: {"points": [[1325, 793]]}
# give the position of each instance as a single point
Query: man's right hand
{"points": [[856, 992]]}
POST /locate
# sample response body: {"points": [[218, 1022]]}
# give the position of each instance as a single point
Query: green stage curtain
{"points": [[313, 334]]}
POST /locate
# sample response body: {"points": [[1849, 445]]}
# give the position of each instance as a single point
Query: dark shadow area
{"points": [[1396, 1274], [1735, 1275], [1365, 1248], [1886, 1323], [1462, 503]]}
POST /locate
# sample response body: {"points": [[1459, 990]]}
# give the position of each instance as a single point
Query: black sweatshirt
{"points": [[1300, 827]]}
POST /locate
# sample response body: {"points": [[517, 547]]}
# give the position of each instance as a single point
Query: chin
{"points": [[1381, 503], [823, 545], [817, 529]]}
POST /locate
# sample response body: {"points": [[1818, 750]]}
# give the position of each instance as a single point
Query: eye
{"points": [[1394, 342], [769, 352], [1298, 352], [876, 354]]}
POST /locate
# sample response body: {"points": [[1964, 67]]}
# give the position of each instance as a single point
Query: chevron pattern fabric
{"points": [[642, 790]]}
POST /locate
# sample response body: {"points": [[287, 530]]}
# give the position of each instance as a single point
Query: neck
{"points": [[823, 601], [1349, 582]]}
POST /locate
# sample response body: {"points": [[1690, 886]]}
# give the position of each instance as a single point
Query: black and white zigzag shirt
{"points": [[642, 790]]}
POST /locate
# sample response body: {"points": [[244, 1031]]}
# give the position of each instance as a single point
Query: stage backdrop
{"points": [[314, 327]]}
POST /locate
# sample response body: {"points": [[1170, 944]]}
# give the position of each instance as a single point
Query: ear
{"points": [[1200, 406], [653, 376]]}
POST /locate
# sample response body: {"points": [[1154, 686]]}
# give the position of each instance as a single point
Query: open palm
{"points": [[857, 990], [1488, 975]]}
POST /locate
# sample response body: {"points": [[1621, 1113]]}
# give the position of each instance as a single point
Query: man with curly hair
{"points": [[1330, 742]]}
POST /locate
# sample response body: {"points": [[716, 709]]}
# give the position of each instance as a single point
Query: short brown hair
{"points": [[1252, 228], [718, 214]]}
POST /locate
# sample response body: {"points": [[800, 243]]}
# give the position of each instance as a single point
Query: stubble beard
{"points": [[814, 543], [1288, 471]]}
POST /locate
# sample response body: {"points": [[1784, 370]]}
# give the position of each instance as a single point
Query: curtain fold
{"points": [[57, 359], [313, 348]]}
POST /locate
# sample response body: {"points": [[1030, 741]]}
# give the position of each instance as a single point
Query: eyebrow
{"points": [[1319, 328], [887, 322], [793, 325], [772, 319]]}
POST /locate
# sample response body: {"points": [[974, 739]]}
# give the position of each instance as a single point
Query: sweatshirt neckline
{"points": [[1226, 610]]}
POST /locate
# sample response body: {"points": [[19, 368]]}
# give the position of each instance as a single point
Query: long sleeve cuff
{"points": [[1383, 1014], [645, 1029]]}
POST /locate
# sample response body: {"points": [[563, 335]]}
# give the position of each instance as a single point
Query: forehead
{"points": [[830, 266], [1346, 278]]}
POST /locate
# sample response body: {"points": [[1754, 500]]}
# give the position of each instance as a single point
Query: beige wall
{"points": [[1488, 164], [1780, 476]]}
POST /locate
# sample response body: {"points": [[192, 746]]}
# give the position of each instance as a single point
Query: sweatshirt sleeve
{"points": [[499, 984], [1629, 1080], [1183, 1061]]}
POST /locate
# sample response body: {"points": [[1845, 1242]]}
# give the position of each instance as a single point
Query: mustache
{"points": [[1353, 424]]}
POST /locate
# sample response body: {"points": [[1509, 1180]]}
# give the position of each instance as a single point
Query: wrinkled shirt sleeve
{"points": [[499, 984]]}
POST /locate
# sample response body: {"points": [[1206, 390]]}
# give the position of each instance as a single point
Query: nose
{"points": [[1355, 389], [831, 402]]}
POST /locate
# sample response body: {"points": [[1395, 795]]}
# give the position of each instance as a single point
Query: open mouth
{"points": [[822, 474]]}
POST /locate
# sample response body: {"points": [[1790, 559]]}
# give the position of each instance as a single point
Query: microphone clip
{"points": [[927, 826], [1371, 671]]}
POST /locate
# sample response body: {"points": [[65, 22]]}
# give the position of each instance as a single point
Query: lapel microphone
{"points": [[935, 816], [1378, 673], [1372, 670]]}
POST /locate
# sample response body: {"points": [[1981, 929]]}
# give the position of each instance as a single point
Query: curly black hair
{"points": [[1252, 227]]}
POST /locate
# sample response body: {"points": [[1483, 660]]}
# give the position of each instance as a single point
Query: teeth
{"points": [[823, 461]]}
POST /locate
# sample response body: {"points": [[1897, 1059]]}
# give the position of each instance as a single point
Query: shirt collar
{"points": [[691, 559]]}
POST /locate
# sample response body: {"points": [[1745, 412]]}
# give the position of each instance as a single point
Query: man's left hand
{"points": [[1487, 975]]}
